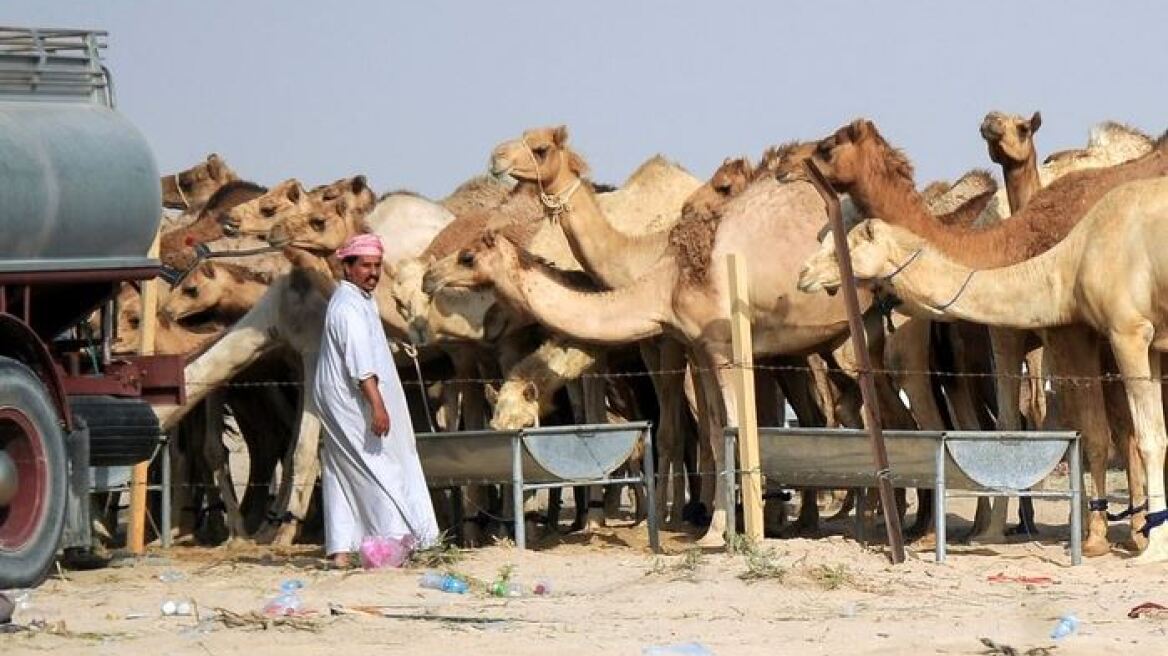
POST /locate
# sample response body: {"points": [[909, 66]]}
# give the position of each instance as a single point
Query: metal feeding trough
{"points": [[539, 458], [953, 463]]}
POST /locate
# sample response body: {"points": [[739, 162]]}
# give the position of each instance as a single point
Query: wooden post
{"points": [[136, 532], [743, 376], [859, 343]]}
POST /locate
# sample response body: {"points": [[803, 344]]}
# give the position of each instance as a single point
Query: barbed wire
{"points": [[851, 372]]}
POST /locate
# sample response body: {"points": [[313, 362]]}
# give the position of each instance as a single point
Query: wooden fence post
{"points": [[136, 532], [743, 377]]}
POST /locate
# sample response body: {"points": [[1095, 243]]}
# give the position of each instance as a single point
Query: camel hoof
{"points": [[1137, 542], [285, 535], [711, 540], [1095, 546], [925, 542]]}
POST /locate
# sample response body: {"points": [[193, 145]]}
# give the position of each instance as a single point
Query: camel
{"points": [[228, 289], [660, 299], [857, 160], [189, 190], [1106, 273]]}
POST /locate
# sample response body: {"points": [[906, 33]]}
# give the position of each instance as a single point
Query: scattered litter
{"points": [[443, 582], [542, 588], [998, 649], [176, 607], [1149, 609], [683, 649], [171, 576], [287, 602], [1067, 625], [378, 552], [1001, 577]]}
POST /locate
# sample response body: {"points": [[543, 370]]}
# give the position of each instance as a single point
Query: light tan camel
{"points": [[857, 160], [229, 290], [660, 300], [189, 190], [1107, 274]]}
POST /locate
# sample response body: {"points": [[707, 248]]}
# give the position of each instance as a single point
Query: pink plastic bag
{"points": [[377, 552]]}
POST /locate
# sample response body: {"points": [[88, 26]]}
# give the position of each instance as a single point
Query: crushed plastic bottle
{"points": [[176, 607], [287, 602], [683, 649], [443, 582], [1067, 625], [504, 588]]}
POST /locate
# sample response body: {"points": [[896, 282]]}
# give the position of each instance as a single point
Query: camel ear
{"points": [[214, 166], [489, 238], [492, 394], [530, 393], [1035, 122], [860, 129], [358, 184], [293, 192], [340, 206], [869, 230], [560, 135], [726, 161]]}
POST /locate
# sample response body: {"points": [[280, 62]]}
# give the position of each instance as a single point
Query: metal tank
{"points": [[78, 184]]}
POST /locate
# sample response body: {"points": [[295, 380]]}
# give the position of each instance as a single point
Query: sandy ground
{"points": [[611, 595]]}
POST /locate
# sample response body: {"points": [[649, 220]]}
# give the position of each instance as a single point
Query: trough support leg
{"points": [[457, 513], [165, 518], [648, 478], [861, 515], [727, 475], [1076, 502], [517, 491], [939, 500]]}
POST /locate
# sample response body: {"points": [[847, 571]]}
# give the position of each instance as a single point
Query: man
{"points": [[372, 479]]}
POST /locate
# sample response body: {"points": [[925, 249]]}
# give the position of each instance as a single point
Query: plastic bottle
{"points": [[684, 649], [287, 602], [503, 588], [443, 582], [1067, 625]]}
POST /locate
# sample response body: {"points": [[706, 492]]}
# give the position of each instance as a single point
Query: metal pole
{"points": [[165, 497], [939, 499], [727, 475], [1076, 501], [648, 473], [517, 490], [859, 343]]}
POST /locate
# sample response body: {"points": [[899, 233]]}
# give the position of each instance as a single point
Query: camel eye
{"points": [[193, 292], [268, 212], [540, 151], [466, 258], [184, 184], [317, 224], [134, 321]]}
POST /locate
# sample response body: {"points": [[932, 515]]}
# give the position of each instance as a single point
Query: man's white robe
{"points": [[373, 486]]}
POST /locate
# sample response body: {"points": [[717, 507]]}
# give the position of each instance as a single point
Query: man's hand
{"points": [[379, 422]]}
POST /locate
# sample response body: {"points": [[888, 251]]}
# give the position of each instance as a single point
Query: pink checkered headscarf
{"points": [[360, 246]]}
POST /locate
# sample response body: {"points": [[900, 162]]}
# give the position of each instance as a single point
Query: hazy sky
{"points": [[416, 94]]}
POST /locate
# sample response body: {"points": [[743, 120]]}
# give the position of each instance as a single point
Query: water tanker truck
{"points": [[79, 209]]}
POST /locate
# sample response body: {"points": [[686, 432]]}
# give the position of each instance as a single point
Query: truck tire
{"points": [[33, 477]]}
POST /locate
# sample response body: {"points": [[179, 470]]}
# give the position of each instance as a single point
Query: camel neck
{"points": [[613, 257], [1022, 181], [615, 317], [1036, 293]]}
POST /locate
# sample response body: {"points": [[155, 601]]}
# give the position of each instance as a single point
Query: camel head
{"points": [[257, 216], [540, 157], [785, 161], [359, 197], [877, 253], [473, 266], [516, 405], [322, 228], [412, 303], [857, 150], [199, 291], [192, 188], [1009, 137], [731, 179]]}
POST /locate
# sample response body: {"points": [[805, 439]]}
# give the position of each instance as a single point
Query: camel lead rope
{"points": [[177, 186], [412, 351]]}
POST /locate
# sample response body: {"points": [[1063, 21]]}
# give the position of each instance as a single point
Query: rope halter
{"points": [[556, 204]]}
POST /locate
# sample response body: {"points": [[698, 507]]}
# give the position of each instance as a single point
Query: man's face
{"points": [[365, 272]]}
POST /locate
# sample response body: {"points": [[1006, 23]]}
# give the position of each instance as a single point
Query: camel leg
{"points": [[701, 494], [595, 412], [217, 458], [667, 355], [1141, 372], [1075, 353], [721, 408], [1125, 441]]}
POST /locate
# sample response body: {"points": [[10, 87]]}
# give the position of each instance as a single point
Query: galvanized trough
{"points": [[953, 463], [539, 458]]}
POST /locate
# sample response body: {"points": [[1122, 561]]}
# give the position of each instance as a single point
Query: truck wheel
{"points": [[33, 477]]}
